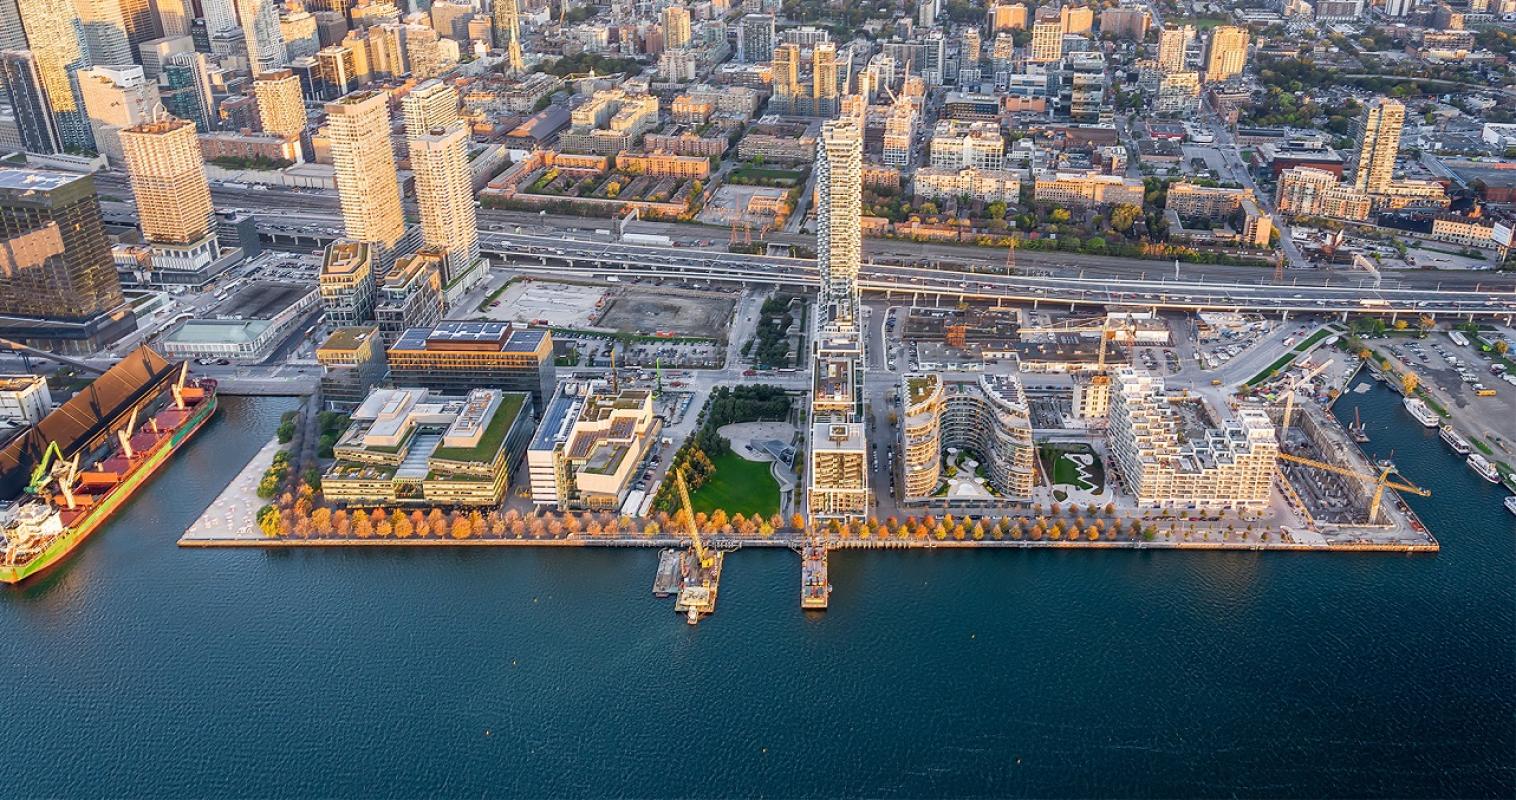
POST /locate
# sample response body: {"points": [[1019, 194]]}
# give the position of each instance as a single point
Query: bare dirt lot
{"points": [[685, 313]]}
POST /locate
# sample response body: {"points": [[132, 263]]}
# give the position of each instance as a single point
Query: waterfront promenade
{"points": [[232, 516]]}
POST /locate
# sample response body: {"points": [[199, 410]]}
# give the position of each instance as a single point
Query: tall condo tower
{"points": [[358, 126], [837, 489], [438, 143], [260, 31], [1378, 144], [167, 173], [1228, 54], [54, 34]]}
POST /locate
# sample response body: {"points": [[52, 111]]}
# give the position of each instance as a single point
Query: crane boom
{"points": [[40, 472], [705, 559], [1380, 484]]}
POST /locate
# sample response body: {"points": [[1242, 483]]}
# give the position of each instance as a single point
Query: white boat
{"points": [[1486, 470], [1423, 414], [1510, 503], [1459, 444]]}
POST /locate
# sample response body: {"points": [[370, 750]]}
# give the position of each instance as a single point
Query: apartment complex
{"points": [[957, 144], [281, 106], [408, 446], [352, 361], [368, 188], [1169, 462], [1228, 53], [411, 295], [612, 120], [982, 412], [347, 283], [984, 185], [1306, 191], [1088, 188], [1378, 144], [172, 195]]}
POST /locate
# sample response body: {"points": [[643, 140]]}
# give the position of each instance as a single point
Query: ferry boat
{"points": [[1459, 444], [1510, 503], [68, 498], [1486, 470], [1419, 409]]}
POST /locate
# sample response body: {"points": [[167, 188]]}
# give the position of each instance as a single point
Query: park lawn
{"points": [[739, 486]]}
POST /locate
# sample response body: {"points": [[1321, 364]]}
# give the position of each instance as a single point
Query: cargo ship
{"points": [[69, 496]]}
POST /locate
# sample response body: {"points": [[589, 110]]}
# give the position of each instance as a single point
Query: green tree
{"points": [[1125, 216]]}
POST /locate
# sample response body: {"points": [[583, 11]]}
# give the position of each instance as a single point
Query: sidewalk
{"points": [[232, 514]]}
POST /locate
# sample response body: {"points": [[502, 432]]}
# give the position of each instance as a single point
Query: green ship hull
{"points": [[15, 573]]}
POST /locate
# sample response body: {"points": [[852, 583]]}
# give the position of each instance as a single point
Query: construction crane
{"points": [[1380, 484], [705, 558], [1289, 395]]}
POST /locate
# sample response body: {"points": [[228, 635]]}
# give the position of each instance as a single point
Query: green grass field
{"points": [[738, 487]]}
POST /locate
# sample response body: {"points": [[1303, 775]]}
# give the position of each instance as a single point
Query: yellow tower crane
{"points": [[1380, 484], [703, 556], [1294, 386]]}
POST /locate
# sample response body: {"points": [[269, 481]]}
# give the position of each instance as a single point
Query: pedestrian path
{"points": [[232, 515]]}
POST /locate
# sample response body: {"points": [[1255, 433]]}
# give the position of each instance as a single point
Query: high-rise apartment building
{"points": [[786, 70], [445, 197], [983, 412], [264, 39], [185, 89], [1047, 37], [56, 272], [220, 16], [1228, 53], [676, 27], [358, 127], [838, 470], [54, 35], [824, 70], [116, 98], [28, 101], [347, 283], [433, 104], [411, 295], [176, 17], [281, 105], [104, 29], [1173, 43], [1078, 20], [755, 38], [1378, 144], [173, 198], [1007, 17], [12, 33]]}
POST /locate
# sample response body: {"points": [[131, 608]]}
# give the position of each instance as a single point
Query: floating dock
{"points": [[666, 582], [697, 593], [815, 587]]}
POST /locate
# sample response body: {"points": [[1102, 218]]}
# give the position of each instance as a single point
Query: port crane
{"points": [[1294, 385], [704, 557], [1380, 484], [54, 465]]}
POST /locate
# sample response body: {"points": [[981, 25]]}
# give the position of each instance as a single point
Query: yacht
{"points": [[1510, 503], [1486, 470], [1423, 414], [1459, 444]]}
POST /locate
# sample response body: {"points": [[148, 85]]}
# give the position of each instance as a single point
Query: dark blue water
{"points": [[139, 669]]}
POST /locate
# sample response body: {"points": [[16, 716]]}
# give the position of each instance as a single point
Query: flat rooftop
{"points": [[263, 299], [29, 179], [217, 331]]}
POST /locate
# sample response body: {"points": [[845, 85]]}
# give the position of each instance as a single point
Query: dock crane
{"points": [[125, 435], [704, 557], [1294, 385], [54, 465], [1380, 484]]}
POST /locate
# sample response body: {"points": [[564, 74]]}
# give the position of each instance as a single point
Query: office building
{"points": [[347, 283], [410, 446], [176, 17], [53, 33], [352, 364], [261, 33], [755, 39], [600, 453], [454, 357], [1228, 53], [28, 101], [985, 413], [154, 54], [281, 104], [1165, 466], [297, 28], [104, 29], [58, 285], [173, 197], [1378, 144], [358, 127], [185, 90], [1047, 37]]}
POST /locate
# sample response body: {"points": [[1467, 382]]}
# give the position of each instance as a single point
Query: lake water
{"points": [[140, 669]]}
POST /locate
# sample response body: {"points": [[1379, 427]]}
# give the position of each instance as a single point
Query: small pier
{"points": [[815, 587], [666, 582]]}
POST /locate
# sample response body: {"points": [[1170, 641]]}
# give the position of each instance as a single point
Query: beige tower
{"points": [[824, 70], [786, 69], [1378, 144], [1047, 36], [167, 174], [433, 104], [1172, 43], [281, 107], [676, 27], [358, 127], [1228, 53]]}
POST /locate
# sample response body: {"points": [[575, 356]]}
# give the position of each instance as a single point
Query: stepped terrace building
{"points": [[986, 413], [593, 463], [409, 446], [1169, 461]]}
